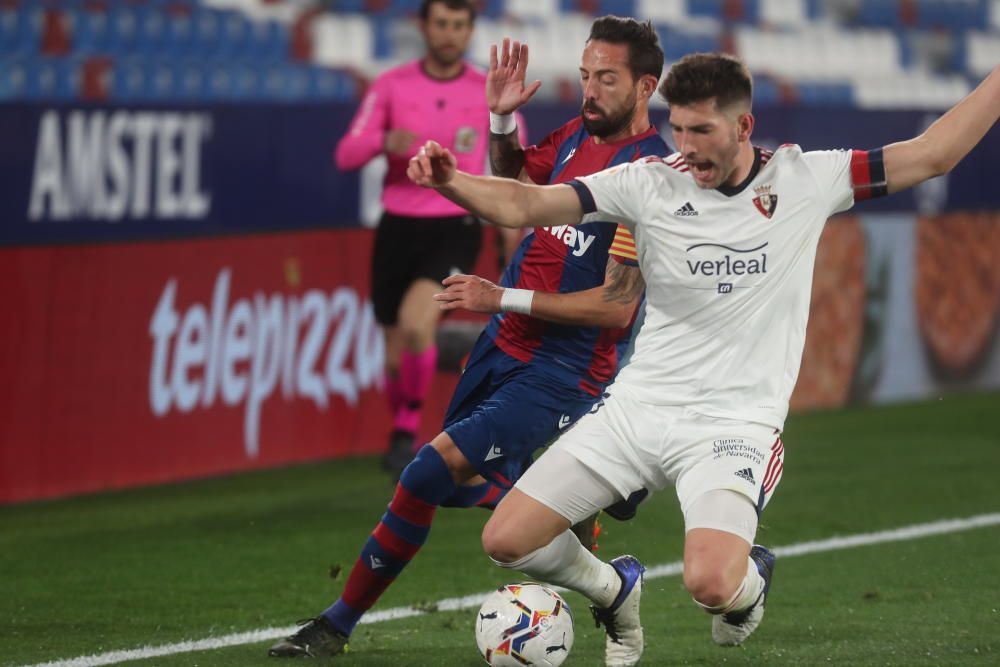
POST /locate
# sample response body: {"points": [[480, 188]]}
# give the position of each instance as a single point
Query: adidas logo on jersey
{"points": [[746, 474], [686, 210]]}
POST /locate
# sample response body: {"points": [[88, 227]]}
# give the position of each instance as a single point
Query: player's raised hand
{"points": [[432, 166], [469, 293], [505, 89]]}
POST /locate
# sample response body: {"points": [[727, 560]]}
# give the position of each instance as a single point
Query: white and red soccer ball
{"points": [[524, 624]]}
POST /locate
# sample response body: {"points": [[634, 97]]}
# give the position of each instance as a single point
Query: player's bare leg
{"points": [[724, 574], [411, 346], [529, 536]]}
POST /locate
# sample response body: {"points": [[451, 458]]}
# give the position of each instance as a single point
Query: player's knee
{"points": [[501, 543], [709, 586]]}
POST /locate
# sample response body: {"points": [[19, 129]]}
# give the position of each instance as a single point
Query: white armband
{"points": [[516, 300], [502, 124]]}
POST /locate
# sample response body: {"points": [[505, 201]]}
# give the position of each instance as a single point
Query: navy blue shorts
{"points": [[504, 409]]}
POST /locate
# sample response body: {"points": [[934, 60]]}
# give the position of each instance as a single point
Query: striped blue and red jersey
{"points": [[570, 259]]}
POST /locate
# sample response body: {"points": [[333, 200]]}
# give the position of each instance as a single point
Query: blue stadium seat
{"points": [[331, 85], [324, 84], [52, 79], [879, 13], [128, 80], [677, 44], [13, 78], [247, 84], [826, 94], [384, 45], [492, 8], [90, 31], [352, 6], [268, 41], [192, 81], [178, 35], [235, 36], [206, 33], [297, 83], [765, 92], [402, 7], [161, 82], [616, 7], [123, 29], [152, 39], [952, 14], [20, 30], [711, 8]]}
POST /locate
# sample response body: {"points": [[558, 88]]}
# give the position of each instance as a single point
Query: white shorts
{"points": [[632, 445]]}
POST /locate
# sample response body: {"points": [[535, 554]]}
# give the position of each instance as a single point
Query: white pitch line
{"points": [[472, 601]]}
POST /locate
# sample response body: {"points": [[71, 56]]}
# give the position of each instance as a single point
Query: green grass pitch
{"points": [[210, 558]]}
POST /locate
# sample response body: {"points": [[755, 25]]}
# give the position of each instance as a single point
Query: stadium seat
{"points": [[52, 79], [123, 30], [13, 79], [952, 14], [128, 80], [90, 30], [20, 30]]}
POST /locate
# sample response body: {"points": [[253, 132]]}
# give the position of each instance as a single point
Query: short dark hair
{"points": [[467, 5], [703, 76], [644, 53]]}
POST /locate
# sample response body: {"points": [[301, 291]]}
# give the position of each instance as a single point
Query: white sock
{"points": [[749, 590], [565, 562]]}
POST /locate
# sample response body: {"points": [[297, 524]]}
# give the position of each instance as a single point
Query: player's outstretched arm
{"points": [[611, 305], [947, 140], [505, 93], [502, 201]]}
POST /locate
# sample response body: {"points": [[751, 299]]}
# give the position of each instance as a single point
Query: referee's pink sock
{"points": [[416, 370]]}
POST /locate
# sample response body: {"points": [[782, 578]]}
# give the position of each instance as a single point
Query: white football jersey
{"points": [[728, 272]]}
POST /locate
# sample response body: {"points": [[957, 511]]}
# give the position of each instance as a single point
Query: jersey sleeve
{"points": [[613, 195], [540, 159], [366, 134], [848, 176], [623, 247]]}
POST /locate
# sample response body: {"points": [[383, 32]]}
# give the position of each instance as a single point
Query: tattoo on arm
{"points": [[506, 155], [622, 283]]}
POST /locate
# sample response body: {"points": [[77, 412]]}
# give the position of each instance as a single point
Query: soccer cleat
{"points": [[587, 531], [624, 644], [315, 638], [732, 629], [399, 453], [624, 510]]}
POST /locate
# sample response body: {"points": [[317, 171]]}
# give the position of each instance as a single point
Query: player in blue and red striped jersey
{"points": [[526, 380]]}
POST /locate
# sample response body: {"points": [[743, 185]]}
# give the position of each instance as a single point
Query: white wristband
{"points": [[516, 300], [502, 124]]}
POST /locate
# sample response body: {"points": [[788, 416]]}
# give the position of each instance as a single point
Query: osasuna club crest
{"points": [[765, 201]]}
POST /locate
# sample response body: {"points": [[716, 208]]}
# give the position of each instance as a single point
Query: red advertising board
{"points": [[138, 363]]}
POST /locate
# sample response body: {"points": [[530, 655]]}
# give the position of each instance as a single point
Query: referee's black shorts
{"points": [[407, 249]]}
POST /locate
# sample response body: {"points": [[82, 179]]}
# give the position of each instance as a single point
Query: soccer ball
{"points": [[524, 624]]}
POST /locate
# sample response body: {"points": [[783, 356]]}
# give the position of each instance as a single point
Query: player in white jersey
{"points": [[726, 237]]}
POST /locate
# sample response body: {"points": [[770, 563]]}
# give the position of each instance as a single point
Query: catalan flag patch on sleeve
{"points": [[868, 175], [623, 247]]}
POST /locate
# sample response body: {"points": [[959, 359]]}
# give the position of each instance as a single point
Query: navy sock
{"points": [[425, 483]]}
